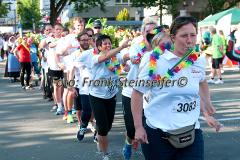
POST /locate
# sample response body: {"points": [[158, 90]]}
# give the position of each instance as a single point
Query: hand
{"points": [[61, 66], [126, 43], [141, 135], [209, 109], [212, 122]]}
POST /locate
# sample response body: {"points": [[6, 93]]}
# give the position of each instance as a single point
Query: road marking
{"points": [[222, 119], [220, 89], [229, 100], [230, 80]]}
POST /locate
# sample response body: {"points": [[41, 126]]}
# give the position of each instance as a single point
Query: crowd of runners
{"points": [[81, 73]]}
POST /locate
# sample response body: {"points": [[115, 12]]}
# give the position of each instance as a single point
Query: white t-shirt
{"points": [[174, 103], [105, 82], [134, 50], [51, 57], [69, 40], [82, 70], [44, 63]]}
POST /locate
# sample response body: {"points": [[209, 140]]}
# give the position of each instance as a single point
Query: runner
{"points": [[102, 97], [65, 48], [136, 52]]}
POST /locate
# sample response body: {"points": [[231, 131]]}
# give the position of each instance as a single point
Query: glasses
{"points": [[105, 44], [97, 27], [84, 40]]}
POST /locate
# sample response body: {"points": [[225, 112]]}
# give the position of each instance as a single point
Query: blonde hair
{"points": [[78, 19], [147, 21], [157, 38]]}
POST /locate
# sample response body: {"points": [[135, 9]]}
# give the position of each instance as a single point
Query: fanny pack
{"points": [[182, 137]]}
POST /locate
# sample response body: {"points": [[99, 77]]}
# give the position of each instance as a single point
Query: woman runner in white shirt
{"points": [[174, 101]]}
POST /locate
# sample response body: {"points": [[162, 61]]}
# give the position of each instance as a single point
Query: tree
{"points": [[56, 6], [169, 5], [123, 15], [215, 6], [4, 9], [28, 13]]}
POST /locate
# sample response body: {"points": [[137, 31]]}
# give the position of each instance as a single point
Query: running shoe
{"points": [[219, 81], [65, 115], [59, 111], [70, 118], [211, 81], [74, 111], [127, 151], [54, 108], [80, 133], [106, 157], [28, 87]]}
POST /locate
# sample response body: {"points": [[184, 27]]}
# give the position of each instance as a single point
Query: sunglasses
{"points": [[97, 27]]}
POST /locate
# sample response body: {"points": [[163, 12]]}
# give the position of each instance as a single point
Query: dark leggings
{"points": [[159, 148], [103, 110], [47, 84], [86, 110], [25, 67], [128, 118], [82, 103]]}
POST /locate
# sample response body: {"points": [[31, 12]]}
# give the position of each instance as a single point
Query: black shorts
{"points": [[55, 74], [104, 111], [216, 63]]}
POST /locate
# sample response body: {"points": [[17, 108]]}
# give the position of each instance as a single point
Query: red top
{"points": [[24, 54]]}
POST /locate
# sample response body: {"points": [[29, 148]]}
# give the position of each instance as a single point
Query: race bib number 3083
{"points": [[185, 106]]}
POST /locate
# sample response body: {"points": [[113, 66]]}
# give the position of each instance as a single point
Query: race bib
{"points": [[185, 106]]}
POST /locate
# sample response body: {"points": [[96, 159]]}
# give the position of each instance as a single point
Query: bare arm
{"points": [[137, 109], [112, 52], [15, 52], [207, 107]]}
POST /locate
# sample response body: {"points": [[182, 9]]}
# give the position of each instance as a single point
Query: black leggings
{"points": [[103, 110], [128, 118], [25, 67]]}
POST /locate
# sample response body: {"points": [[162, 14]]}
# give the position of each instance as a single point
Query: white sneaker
{"points": [[28, 87], [219, 81], [106, 157], [211, 81]]}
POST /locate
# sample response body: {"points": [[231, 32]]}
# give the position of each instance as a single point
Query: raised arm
{"points": [[113, 52]]}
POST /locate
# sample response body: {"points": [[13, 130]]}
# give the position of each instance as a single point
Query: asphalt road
{"points": [[29, 131]]}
